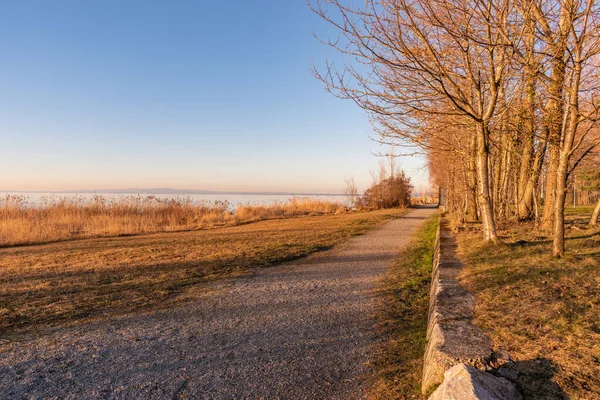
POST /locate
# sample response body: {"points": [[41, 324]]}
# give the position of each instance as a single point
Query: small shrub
{"points": [[391, 192]]}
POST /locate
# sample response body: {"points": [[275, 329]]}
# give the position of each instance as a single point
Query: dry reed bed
{"points": [[60, 218]]}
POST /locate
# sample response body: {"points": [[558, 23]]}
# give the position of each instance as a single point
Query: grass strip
{"points": [[402, 317]]}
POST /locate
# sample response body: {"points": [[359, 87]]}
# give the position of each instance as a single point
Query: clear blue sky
{"points": [[183, 94]]}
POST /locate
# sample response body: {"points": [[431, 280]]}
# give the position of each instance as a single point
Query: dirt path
{"points": [[301, 330]]}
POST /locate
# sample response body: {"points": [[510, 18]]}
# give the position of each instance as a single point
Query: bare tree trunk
{"points": [[525, 209], [558, 244], [452, 196], [595, 214], [501, 172], [506, 178], [487, 212], [471, 212], [554, 124], [550, 190], [526, 206], [566, 149], [554, 114], [495, 166]]}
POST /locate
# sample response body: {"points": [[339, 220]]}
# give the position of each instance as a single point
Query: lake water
{"points": [[233, 199]]}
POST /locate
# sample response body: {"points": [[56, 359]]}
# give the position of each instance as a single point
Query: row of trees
{"points": [[501, 95]]}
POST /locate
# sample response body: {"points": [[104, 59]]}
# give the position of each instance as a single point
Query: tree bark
{"points": [[500, 168], [525, 209], [558, 244], [566, 149], [595, 214], [483, 186], [554, 113], [550, 190], [527, 203], [471, 211], [527, 170]]}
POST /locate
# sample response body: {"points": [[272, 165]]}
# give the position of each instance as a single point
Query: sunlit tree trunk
{"points": [[501, 205], [562, 171], [528, 132], [483, 189], [550, 189], [471, 209], [595, 214], [553, 118], [526, 206]]}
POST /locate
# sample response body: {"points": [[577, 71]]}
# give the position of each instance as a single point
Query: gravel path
{"points": [[301, 330]]}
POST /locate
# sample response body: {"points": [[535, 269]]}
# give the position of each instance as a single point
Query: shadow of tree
{"points": [[526, 243], [533, 379]]}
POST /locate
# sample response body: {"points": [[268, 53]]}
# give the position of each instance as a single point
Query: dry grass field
{"points": [[63, 218], [545, 311], [72, 280]]}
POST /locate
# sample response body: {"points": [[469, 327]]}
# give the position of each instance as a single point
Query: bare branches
{"points": [[496, 93]]}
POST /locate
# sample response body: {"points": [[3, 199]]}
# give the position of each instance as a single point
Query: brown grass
{"points": [[61, 218], [544, 311], [79, 279], [403, 320]]}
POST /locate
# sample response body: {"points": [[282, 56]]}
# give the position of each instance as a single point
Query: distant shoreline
{"points": [[171, 191]]}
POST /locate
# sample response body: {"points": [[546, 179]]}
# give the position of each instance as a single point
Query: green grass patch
{"points": [[402, 317], [579, 210]]}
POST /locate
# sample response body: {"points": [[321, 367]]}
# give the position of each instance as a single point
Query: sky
{"points": [[204, 95]]}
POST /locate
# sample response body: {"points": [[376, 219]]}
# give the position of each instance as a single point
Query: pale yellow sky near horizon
{"points": [[78, 175]]}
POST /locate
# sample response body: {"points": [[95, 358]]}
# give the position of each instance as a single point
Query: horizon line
{"points": [[173, 191]]}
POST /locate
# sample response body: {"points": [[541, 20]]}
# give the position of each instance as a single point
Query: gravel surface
{"points": [[301, 330]]}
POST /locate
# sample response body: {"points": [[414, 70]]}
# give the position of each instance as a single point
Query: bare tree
{"points": [[426, 57], [583, 47], [351, 192], [500, 95]]}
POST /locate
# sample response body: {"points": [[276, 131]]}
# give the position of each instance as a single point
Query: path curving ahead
{"points": [[301, 330]]}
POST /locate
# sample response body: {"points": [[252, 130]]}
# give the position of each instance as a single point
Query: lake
{"points": [[233, 199]]}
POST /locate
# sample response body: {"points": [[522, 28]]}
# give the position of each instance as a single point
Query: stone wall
{"points": [[451, 337]]}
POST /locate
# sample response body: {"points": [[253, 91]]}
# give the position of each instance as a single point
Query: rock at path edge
{"points": [[463, 382]]}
